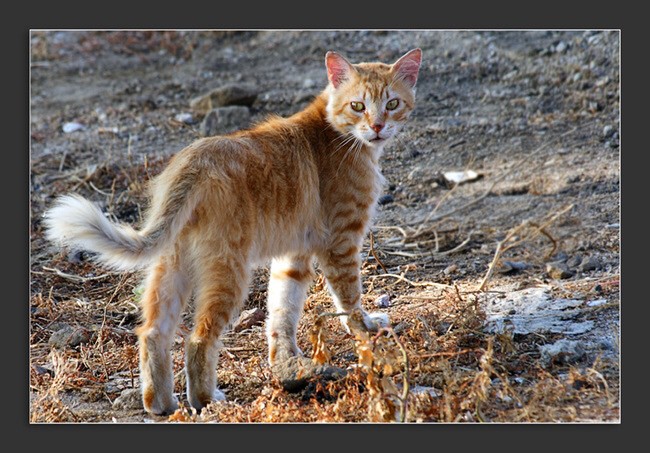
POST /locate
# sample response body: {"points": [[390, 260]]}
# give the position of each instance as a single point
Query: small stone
{"points": [[308, 83], [382, 301], [385, 199], [248, 319], [73, 127], [561, 47], [69, 337], [589, 263], [596, 303], [558, 270], [241, 94], [129, 399], [422, 390], [224, 120], [186, 118], [511, 267], [608, 131], [512, 311], [561, 256], [561, 352], [574, 261], [452, 268]]}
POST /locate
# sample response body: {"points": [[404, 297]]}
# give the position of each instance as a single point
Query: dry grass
{"points": [[436, 364]]}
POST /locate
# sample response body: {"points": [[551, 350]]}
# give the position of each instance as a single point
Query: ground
{"points": [[502, 290]]}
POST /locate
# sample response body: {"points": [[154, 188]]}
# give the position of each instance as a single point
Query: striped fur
{"points": [[289, 189]]}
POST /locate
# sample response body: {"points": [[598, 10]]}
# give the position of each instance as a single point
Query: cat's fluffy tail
{"points": [[77, 223]]}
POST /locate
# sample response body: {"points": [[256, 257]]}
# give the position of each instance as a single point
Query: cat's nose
{"points": [[377, 127]]}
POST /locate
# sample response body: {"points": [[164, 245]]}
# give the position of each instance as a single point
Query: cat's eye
{"points": [[392, 104], [357, 106]]}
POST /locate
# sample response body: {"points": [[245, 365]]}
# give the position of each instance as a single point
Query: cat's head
{"points": [[372, 101]]}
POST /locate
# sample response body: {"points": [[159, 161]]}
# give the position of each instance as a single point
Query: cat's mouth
{"points": [[377, 139]]}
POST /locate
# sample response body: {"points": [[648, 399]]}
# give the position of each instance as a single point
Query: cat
{"points": [[287, 190]]}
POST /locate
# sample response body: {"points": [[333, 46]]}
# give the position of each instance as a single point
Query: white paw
{"points": [[218, 395], [377, 320]]}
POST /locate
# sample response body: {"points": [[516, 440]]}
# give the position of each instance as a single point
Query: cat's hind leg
{"points": [[166, 291], [222, 287]]}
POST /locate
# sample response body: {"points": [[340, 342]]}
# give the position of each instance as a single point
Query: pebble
{"points": [[385, 199], [248, 319], [382, 301], [73, 127], [224, 120], [561, 47], [590, 263], [561, 352], [511, 267], [558, 270], [129, 399], [596, 303], [240, 94], [574, 261], [69, 337], [608, 131], [186, 118], [451, 269]]}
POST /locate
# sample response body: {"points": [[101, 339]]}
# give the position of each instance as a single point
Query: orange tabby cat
{"points": [[289, 189]]}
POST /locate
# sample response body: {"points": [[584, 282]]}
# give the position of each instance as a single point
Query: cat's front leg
{"points": [[341, 266], [288, 284]]}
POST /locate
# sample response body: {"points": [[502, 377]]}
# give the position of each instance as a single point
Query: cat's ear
{"points": [[408, 66], [338, 68]]}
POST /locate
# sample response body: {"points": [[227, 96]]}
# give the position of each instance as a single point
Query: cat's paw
{"points": [[218, 395], [360, 320], [376, 320], [158, 405]]}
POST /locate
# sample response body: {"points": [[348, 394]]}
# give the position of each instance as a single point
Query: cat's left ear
{"points": [[338, 68], [408, 66]]}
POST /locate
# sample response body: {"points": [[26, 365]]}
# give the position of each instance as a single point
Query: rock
{"points": [[186, 118], [73, 127], [561, 47], [561, 352], [242, 94], [511, 267], [248, 319], [608, 131], [452, 268], [596, 303], [422, 390], [574, 261], [385, 199], [224, 120], [459, 177], [69, 337], [129, 399], [558, 270], [382, 301], [589, 263], [295, 373]]}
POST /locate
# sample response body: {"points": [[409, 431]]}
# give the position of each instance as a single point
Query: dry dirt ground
{"points": [[503, 291]]}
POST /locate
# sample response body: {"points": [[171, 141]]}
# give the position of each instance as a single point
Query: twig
{"points": [[75, 278], [401, 278], [372, 251], [503, 245]]}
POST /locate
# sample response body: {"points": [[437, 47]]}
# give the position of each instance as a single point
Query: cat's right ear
{"points": [[338, 68]]}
